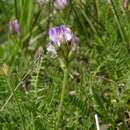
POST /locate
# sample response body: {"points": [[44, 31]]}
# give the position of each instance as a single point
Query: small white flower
{"points": [[52, 50]]}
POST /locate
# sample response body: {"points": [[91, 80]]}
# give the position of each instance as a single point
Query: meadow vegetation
{"points": [[37, 92]]}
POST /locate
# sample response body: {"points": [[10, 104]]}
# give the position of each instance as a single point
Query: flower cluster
{"points": [[61, 4], [61, 37], [14, 27]]}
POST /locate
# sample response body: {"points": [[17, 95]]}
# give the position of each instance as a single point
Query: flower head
{"points": [[14, 26], [60, 34], [62, 37], [61, 4], [125, 4]]}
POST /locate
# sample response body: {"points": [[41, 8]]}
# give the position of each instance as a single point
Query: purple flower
{"points": [[54, 35], [61, 35], [14, 26], [61, 4], [125, 4]]}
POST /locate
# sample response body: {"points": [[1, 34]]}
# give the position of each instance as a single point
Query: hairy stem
{"points": [[65, 80]]}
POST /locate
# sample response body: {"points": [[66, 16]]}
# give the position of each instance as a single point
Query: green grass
{"points": [[98, 76]]}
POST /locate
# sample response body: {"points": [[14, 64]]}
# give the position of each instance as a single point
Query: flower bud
{"points": [[14, 27], [61, 4], [125, 4]]}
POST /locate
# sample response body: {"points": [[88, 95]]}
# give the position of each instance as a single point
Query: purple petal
{"points": [[125, 4], [17, 26], [61, 4], [14, 26], [53, 34], [66, 33]]}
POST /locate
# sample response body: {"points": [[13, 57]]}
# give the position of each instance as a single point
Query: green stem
{"points": [[117, 20], [15, 9], [15, 50], [65, 80], [97, 9], [39, 65]]}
